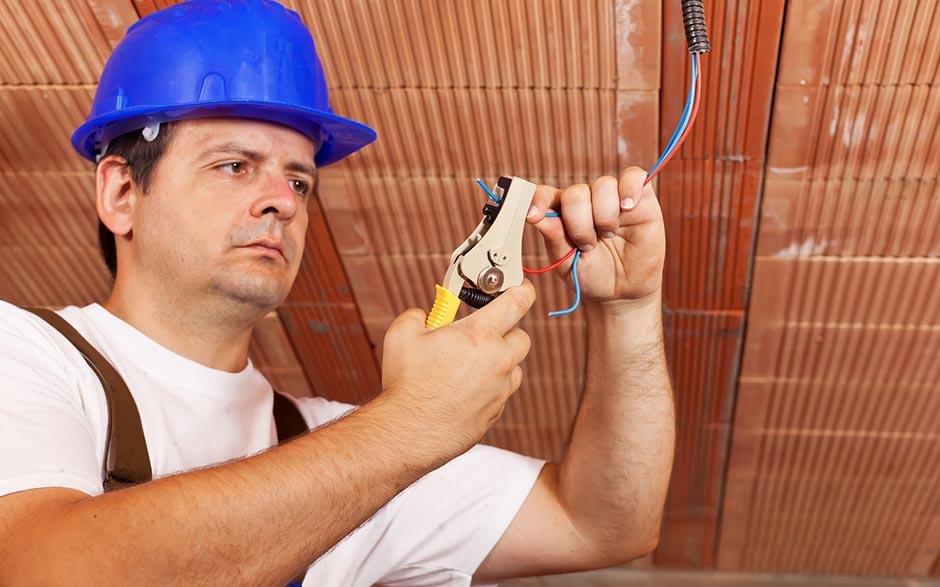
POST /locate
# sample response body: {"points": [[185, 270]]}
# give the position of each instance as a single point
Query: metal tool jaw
{"points": [[489, 261]]}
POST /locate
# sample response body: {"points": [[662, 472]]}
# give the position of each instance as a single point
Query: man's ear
{"points": [[116, 195]]}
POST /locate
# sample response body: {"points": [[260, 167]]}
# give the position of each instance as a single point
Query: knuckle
{"points": [[394, 329], [576, 192], [526, 292], [526, 342], [398, 325], [605, 181], [543, 195], [606, 218], [520, 304], [632, 176], [582, 235], [503, 357], [505, 364], [497, 413], [516, 377], [412, 314], [608, 230], [633, 169], [521, 340]]}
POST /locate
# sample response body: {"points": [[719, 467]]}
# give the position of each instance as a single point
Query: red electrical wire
{"points": [[550, 267], [649, 178], [695, 101]]}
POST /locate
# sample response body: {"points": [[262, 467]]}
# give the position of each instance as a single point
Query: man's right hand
{"points": [[454, 382]]}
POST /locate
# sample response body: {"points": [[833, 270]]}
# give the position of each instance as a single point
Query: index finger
{"points": [[545, 198], [502, 314]]}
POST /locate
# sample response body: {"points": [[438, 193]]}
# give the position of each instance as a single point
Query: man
{"points": [[210, 121]]}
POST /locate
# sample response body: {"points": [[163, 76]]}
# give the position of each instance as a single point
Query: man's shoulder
{"points": [[27, 337], [17, 323]]}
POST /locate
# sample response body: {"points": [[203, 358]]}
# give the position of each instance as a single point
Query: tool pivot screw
{"points": [[490, 280]]}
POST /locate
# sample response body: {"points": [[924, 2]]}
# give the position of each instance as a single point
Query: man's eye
{"points": [[299, 186], [235, 167]]}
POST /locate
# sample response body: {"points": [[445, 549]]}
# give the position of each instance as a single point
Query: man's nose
{"points": [[278, 198]]}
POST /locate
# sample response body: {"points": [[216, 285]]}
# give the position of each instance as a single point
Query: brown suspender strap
{"points": [[125, 439], [125, 431]]}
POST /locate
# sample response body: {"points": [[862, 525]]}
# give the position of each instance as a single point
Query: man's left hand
{"points": [[618, 225]]}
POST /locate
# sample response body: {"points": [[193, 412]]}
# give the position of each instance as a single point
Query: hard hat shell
{"points": [[209, 58]]}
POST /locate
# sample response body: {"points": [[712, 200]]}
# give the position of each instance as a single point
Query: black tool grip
{"points": [[474, 297], [693, 19]]}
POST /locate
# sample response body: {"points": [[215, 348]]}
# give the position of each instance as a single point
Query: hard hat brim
{"points": [[337, 136]]}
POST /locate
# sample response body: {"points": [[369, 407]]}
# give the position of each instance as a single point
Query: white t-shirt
{"points": [[53, 420]]}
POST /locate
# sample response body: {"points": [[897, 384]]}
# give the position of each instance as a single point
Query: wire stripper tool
{"points": [[489, 261]]}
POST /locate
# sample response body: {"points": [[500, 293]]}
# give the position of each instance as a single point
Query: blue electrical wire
{"points": [[683, 121], [488, 191], [577, 288]]}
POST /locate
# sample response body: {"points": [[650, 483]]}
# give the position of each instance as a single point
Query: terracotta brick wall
{"points": [[834, 465]]}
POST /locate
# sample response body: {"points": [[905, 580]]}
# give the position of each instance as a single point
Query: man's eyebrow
{"points": [[235, 148], [301, 167], [255, 156]]}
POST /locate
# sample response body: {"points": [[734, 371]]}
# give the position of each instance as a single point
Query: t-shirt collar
{"points": [[170, 366]]}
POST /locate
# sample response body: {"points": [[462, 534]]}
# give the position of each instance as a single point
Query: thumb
{"points": [[501, 315]]}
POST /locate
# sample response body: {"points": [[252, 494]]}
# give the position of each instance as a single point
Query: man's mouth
{"points": [[267, 247]]}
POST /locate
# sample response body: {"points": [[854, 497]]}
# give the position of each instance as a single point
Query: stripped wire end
{"points": [[488, 191], [577, 288]]}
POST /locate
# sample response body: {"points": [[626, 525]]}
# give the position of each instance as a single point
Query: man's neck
{"points": [[201, 334]]}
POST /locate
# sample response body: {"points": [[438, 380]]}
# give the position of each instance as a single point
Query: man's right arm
{"points": [[265, 518], [257, 521]]}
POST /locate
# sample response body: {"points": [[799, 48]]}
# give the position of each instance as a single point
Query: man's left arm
{"points": [[602, 504]]}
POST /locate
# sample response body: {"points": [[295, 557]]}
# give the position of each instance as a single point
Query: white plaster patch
{"points": [[114, 19], [834, 125], [622, 146], [849, 39], [787, 170], [807, 248], [852, 133], [628, 51]]}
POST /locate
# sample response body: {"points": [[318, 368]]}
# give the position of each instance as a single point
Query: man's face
{"points": [[226, 213]]}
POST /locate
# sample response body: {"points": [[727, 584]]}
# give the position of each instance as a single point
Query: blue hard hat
{"points": [[205, 58]]}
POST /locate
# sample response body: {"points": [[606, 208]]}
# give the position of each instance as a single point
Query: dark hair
{"points": [[142, 157]]}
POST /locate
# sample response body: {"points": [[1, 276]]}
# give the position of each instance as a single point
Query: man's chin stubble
{"points": [[262, 293]]}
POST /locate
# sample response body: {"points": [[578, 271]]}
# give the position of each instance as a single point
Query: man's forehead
{"points": [[267, 138]]}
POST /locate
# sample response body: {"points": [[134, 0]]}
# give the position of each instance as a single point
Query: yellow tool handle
{"points": [[444, 309]]}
